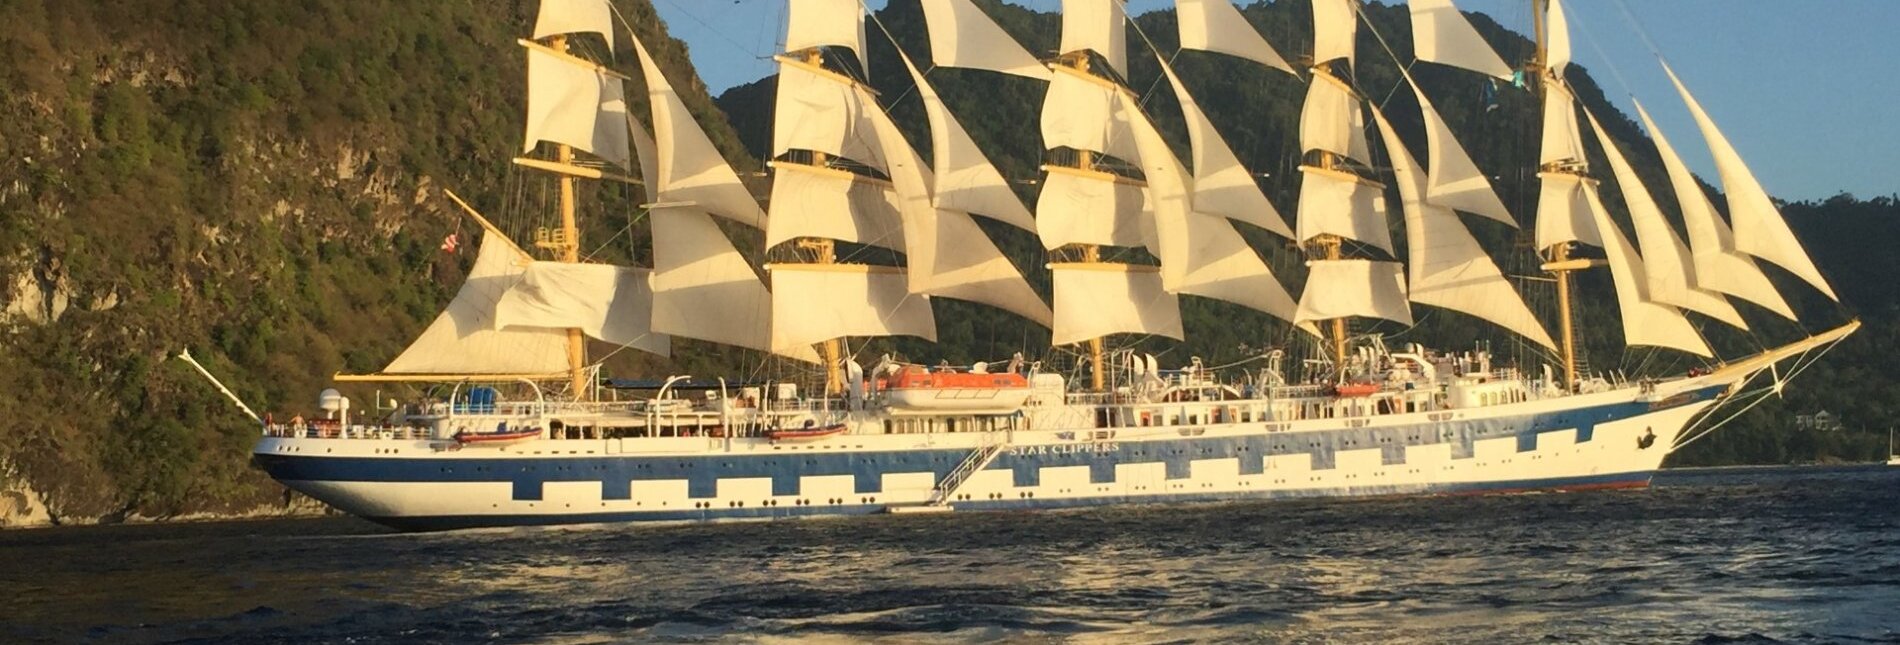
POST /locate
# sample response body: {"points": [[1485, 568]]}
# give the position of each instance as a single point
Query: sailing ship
{"points": [[862, 234]]}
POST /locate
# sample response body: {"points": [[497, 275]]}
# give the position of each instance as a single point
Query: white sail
{"points": [[1759, 229], [946, 253], [704, 289], [966, 265], [824, 112], [689, 168], [1448, 267], [1441, 34], [464, 339], [961, 35], [1217, 26], [575, 105], [1557, 47], [812, 303], [965, 180], [558, 17], [1718, 266], [1346, 288], [1100, 26], [1221, 185], [826, 23], [1669, 277], [646, 154], [1201, 254], [1089, 207], [1453, 180], [1645, 322], [609, 303], [808, 201], [1563, 139], [1083, 112], [1335, 27], [1331, 120], [1095, 299], [1563, 214], [1339, 203]]}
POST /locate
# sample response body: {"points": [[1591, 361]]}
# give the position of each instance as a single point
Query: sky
{"points": [[1802, 89]]}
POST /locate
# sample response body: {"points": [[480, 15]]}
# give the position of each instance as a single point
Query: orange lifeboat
{"points": [[917, 388], [1348, 390]]}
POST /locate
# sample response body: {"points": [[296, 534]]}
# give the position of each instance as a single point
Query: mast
{"points": [[1558, 263], [570, 249], [1091, 253], [832, 147], [824, 251]]}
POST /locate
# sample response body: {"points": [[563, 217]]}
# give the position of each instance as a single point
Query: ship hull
{"points": [[1610, 440]]}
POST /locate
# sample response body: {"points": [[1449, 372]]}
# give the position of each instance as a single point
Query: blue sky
{"points": [[1803, 89]]}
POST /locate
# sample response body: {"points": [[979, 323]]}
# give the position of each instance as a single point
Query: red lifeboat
{"points": [[917, 388]]}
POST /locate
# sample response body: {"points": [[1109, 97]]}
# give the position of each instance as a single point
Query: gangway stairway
{"points": [[946, 489]]}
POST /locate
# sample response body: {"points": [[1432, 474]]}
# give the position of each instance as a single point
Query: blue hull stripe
{"points": [[450, 522]]}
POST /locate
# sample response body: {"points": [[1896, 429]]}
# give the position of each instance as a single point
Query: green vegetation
{"points": [[260, 181]]}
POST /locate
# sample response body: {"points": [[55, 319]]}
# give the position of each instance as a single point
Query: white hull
{"points": [[1353, 461]]}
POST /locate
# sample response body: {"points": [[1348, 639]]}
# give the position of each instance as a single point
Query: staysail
{"points": [[1670, 278], [1453, 179], [1645, 321], [1718, 266], [946, 252], [1221, 185], [689, 169], [703, 288], [961, 35], [1217, 26], [965, 180], [1441, 34], [1448, 267], [465, 338], [1201, 253], [1760, 230]]}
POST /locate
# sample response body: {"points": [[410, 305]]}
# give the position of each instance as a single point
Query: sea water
{"points": [[1781, 554]]}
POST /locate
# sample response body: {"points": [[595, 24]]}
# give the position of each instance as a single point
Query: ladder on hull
{"points": [[946, 489]]}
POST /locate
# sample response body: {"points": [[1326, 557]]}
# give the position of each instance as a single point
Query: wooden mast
{"points": [[570, 248]]}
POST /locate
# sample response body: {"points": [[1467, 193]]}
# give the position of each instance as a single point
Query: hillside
{"points": [[259, 181], [262, 182]]}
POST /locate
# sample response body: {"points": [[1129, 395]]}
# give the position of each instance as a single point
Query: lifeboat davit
{"points": [[501, 438], [916, 388], [807, 433]]}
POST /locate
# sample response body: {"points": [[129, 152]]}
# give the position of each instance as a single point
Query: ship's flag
{"points": [[451, 242]]}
